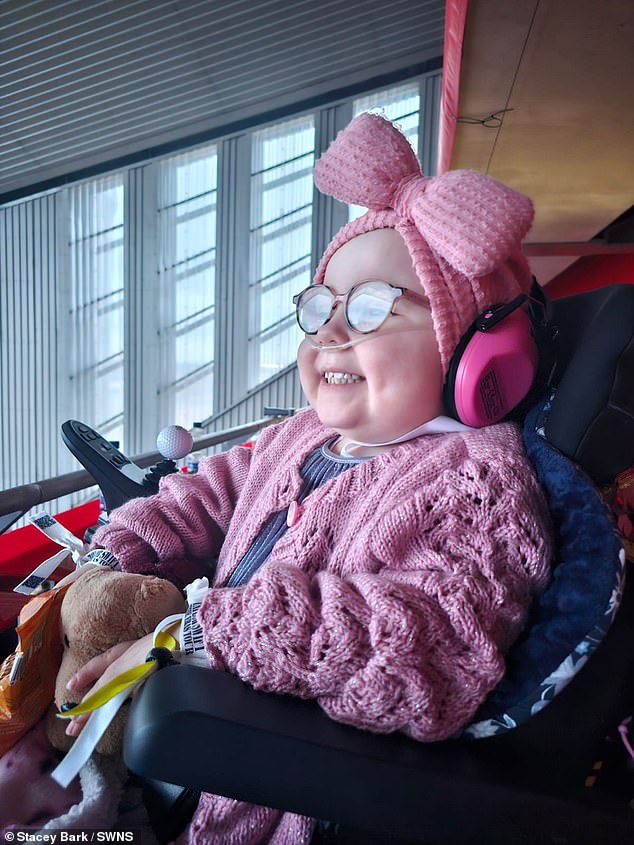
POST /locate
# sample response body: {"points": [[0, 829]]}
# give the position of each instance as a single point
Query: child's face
{"points": [[399, 364]]}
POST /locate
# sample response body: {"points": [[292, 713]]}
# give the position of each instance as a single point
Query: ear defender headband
{"points": [[507, 350], [493, 367]]}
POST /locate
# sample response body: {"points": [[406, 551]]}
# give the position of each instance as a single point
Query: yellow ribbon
{"points": [[126, 680]]}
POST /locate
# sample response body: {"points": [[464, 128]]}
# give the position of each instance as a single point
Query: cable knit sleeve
{"points": [[178, 532], [412, 636]]}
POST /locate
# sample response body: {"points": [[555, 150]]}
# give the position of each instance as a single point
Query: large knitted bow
{"points": [[473, 221]]}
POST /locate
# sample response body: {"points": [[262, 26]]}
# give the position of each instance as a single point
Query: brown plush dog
{"points": [[100, 609]]}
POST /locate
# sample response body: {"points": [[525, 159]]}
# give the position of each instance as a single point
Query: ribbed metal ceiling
{"points": [[84, 82]]}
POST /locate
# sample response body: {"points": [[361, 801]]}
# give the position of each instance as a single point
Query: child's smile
{"points": [[331, 377]]}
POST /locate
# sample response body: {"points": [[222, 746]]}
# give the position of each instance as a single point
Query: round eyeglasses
{"points": [[366, 306]]}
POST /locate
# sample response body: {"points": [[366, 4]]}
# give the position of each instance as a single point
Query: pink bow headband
{"points": [[463, 230], [471, 220]]}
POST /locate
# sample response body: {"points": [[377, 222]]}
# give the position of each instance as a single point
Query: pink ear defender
{"points": [[493, 367]]}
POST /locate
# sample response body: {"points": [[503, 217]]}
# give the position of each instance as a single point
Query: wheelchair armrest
{"points": [[224, 737]]}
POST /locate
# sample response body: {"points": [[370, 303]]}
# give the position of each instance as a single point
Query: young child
{"points": [[372, 553]]}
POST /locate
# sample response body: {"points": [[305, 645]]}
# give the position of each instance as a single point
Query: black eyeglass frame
{"points": [[406, 293]]}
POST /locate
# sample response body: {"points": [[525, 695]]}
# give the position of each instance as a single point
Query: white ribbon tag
{"points": [[56, 532], [85, 743], [51, 570]]}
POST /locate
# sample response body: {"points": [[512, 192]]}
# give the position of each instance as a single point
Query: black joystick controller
{"points": [[118, 477]]}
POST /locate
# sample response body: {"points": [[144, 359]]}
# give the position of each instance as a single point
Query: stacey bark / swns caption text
{"points": [[56, 837]]}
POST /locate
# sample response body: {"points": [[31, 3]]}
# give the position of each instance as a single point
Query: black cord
{"points": [[491, 121]]}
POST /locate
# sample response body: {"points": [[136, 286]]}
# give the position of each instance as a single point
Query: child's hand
{"points": [[103, 668]]}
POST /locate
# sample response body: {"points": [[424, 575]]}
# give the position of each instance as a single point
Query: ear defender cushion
{"points": [[492, 370]]}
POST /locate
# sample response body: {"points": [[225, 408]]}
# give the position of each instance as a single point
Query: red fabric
{"points": [[455, 20], [591, 272], [25, 548]]}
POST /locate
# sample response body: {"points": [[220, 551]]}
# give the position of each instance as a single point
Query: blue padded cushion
{"points": [[570, 618]]}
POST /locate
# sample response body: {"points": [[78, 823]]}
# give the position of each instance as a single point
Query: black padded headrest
{"points": [[592, 416]]}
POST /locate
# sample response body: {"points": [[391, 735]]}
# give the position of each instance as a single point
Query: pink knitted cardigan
{"points": [[391, 601]]}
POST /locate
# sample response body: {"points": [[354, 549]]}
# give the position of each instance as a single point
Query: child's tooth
{"points": [[341, 378]]}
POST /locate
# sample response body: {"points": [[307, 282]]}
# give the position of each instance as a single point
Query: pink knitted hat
{"points": [[463, 229]]}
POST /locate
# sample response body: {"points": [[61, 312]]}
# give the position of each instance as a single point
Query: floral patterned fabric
{"points": [[573, 614], [620, 498]]}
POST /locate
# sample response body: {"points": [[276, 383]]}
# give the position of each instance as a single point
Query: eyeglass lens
{"points": [[367, 306]]}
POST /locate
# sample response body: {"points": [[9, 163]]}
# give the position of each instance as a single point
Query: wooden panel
{"points": [[567, 72]]}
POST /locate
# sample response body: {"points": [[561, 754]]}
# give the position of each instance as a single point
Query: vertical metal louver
{"points": [[280, 241], [185, 290]]}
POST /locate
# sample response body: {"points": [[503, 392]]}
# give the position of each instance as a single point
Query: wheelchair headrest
{"points": [[592, 416]]}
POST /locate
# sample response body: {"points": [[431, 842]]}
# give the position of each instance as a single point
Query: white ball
{"points": [[174, 442]]}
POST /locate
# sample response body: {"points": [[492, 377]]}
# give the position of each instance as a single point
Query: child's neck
{"points": [[349, 447]]}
